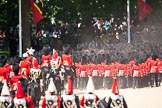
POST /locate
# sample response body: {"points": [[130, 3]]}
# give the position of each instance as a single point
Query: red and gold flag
{"points": [[37, 10]]}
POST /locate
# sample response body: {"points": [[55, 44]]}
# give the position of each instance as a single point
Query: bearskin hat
{"points": [[66, 49], [15, 68], [46, 49], [24, 83], [154, 56], [3, 60]]}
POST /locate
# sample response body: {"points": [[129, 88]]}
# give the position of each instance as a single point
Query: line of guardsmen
{"points": [[148, 73]]}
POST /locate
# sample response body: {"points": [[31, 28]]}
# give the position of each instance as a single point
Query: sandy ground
{"points": [[136, 98]]}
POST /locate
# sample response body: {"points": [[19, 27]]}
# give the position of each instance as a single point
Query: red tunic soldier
{"points": [[136, 76], [24, 67], [154, 71], [108, 74], [45, 57], [83, 72]]}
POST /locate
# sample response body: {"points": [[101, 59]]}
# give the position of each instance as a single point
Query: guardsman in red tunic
{"points": [[46, 56], [160, 70], [77, 70], [69, 99], [95, 73], [107, 80], [89, 99], [122, 75], [35, 71], [67, 62], [83, 75], [24, 68], [3, 70], [101, 71], [51, 100], [154, 71], [130, 73], [136, 76], [14, 77], [67, 57]]}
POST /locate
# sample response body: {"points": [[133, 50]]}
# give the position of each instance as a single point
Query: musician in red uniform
{"points": [[51, 100], [89, 99], [3, 70]]}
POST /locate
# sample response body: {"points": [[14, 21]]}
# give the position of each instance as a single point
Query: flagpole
{"points": [[128, 20], [20, 30]]}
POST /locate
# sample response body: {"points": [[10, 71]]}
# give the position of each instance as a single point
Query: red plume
{"points": [[70, 86], [20, 93], [115, 88]]}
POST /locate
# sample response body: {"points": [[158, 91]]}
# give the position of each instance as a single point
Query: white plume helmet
{"points": [[51, 86], [30, 51], [25, 55], [90, 85], [5, 89]]}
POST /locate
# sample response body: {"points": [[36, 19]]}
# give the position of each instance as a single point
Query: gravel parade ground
{"points": [[136, 98]]}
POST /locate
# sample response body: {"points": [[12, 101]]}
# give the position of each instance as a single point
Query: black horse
{"points": [[45, 72], [35, 92]]}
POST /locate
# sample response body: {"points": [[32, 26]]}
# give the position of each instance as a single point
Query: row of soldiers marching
{"points": [[132, 74]]}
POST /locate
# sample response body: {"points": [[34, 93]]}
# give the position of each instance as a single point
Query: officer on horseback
{"points": [[67, 62]]}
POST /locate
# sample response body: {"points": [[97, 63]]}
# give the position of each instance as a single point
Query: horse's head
{"points": [[55, 64], [35, 73], [34, 90]]}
